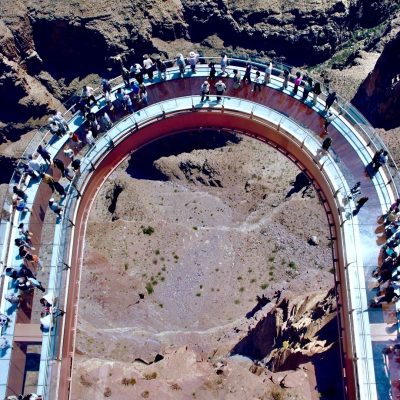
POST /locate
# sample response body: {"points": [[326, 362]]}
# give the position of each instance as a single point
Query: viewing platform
{"points": [[274, 116]]}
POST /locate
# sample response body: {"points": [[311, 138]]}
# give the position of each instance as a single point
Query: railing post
{"points": [[252, 112], [337, 192], [77, 190], [341, 225], [66, 266]]}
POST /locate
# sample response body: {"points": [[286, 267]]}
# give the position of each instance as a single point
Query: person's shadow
{"points": [[261, 302], [370, 170], [301, 182]]}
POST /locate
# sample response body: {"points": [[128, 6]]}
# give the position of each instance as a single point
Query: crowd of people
{"points": [[386, 274], [134, 95]]}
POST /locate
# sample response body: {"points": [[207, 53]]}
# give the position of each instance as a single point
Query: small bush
{"points": [[149, 288], [126, 266], [175, 386], [237, 301], [241, 289], [198, 294], [128, 381], [149, 230], [157, 252], [194, 228], [292, 265], [150, 376], [264, 286], [277, 394]]}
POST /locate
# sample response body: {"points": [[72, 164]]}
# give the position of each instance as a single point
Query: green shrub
{"points": [[149, 230], [149, 288]]}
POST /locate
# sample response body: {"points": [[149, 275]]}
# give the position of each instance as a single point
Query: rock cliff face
{"points": [[291, 333], [47, 48], [379, 96]]}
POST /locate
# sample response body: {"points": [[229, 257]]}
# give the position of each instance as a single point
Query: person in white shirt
{"points": [[59, 118], [56, 127], [180, 62], [224, 63], [220, 88], [136, 72], [89, 138], [128, 103], [105, 121], [46, 321], [193, 60], [268, 73], [35, 164], [257, 82], [87, 94], [148, 66], [69, 153], [205, 91]]}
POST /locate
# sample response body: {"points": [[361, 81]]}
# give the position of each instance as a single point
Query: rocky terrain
{"points": [[201, 262], [199, 278], [49, 49]]}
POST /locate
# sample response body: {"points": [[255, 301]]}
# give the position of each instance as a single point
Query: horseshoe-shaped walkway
{"points": [[275, 116]]}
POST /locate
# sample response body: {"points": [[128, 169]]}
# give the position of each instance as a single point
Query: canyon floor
{"points": [[183, 241]]}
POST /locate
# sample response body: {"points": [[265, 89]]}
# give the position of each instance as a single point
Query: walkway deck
{"points": [[350, 153]]}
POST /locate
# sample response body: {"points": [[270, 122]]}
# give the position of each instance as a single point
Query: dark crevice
{"points": [[141, 164]]}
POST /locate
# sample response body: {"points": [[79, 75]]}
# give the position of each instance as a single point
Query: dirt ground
{"points": [[174, 261]]}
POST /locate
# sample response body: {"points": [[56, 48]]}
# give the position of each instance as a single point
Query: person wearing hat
{"points": [[193, 60]]}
